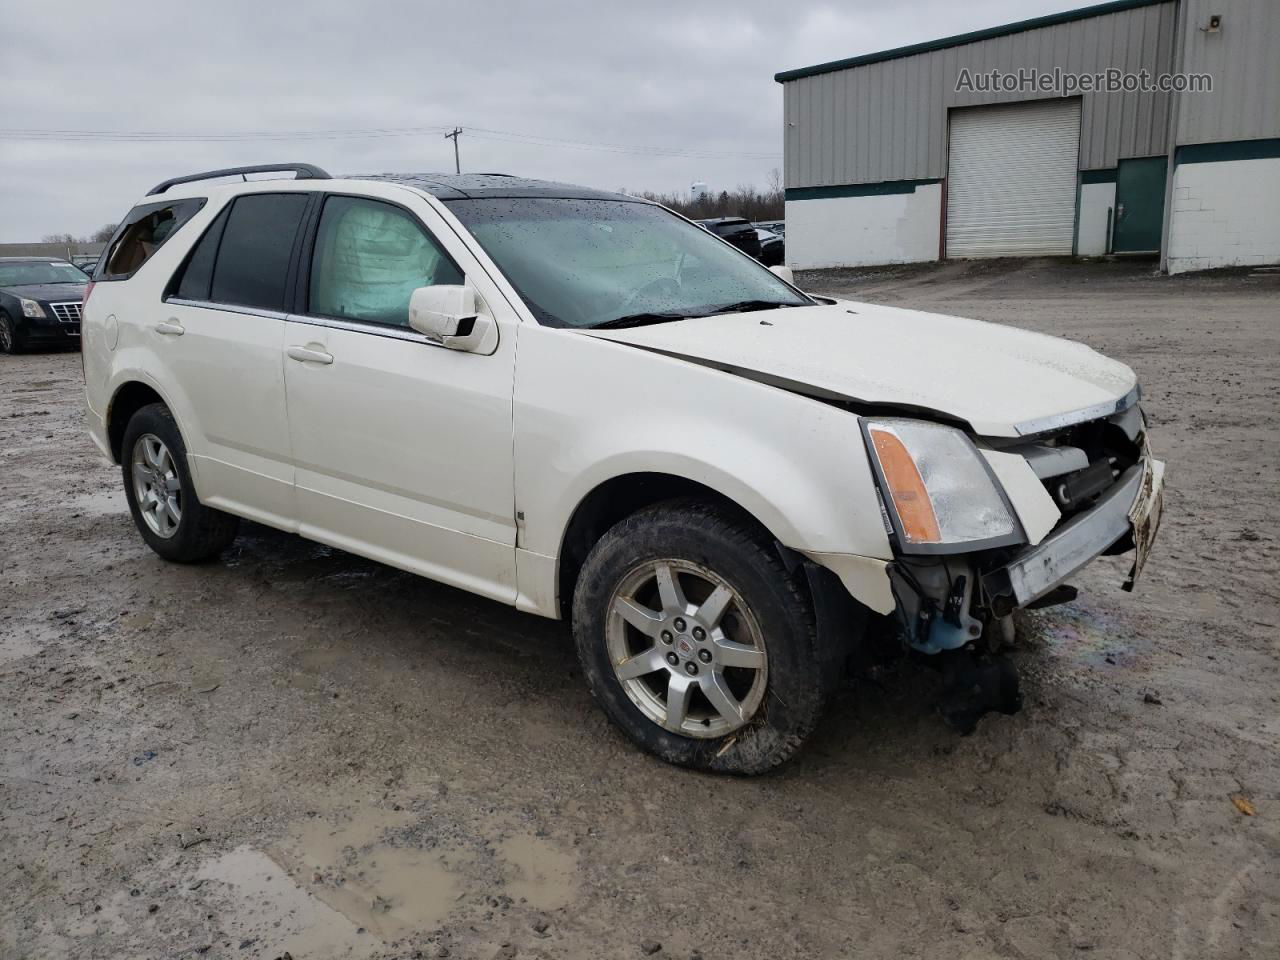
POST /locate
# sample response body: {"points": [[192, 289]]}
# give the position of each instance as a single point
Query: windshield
{"points": [[20, 274], [586, 263]]}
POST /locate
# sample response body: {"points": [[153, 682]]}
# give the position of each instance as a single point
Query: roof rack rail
{"points": [[303, 171]]}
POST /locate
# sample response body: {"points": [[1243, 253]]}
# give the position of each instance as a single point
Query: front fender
{"points": [[588, 410]]}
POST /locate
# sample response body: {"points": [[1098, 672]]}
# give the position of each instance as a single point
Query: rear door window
{"points": [[252, 263], [195, 276], [143, 232]]}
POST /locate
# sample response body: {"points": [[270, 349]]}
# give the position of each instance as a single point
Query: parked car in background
{"points": [[737, 231], [773, 249], [735, 490], [773, 226], [87, 266], [39, 303]]}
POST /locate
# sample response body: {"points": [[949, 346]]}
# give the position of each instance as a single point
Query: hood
{"points": [[57, 292], [1001, 381]]}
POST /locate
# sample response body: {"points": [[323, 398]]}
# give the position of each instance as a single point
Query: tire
{"points": [[781, 699], [10, 339], [191, 532]]}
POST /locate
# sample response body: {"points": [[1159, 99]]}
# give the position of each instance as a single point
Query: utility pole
{"points": [[457, 132]]}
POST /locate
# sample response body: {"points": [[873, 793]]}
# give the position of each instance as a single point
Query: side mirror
{"points": [[783, 273], [449, 315]]}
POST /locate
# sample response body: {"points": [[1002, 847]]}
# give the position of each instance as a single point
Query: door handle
{"points": [[171, 328], [307, 355]]}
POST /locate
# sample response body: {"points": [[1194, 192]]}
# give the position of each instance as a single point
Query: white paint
{"points": [[855, 231], [423, 457], [1031, 501], [1225, 214], [1097, 200], [990, 375]]}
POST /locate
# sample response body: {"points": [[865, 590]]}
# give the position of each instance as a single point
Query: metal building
{"points": [[979, 145]]}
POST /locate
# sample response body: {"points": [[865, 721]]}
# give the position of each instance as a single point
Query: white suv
{"points": [[584, 405]]}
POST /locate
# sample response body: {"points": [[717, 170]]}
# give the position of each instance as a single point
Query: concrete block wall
{"points": [[861, 231], [1225, 214]]}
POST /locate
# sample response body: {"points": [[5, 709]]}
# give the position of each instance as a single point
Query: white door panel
{"points": [[403, 451], [227, 368]]}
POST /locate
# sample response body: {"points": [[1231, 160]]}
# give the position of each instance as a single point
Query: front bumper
{"points": [[1133, 504]]}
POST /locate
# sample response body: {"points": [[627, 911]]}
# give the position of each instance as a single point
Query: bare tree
{"points": [[743, 201], [59, 238], [103, 233]]}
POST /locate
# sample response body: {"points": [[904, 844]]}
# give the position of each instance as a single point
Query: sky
{"points": [[643, 95]]}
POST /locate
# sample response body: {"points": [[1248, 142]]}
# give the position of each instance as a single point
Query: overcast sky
{"points": [[678, 75]]}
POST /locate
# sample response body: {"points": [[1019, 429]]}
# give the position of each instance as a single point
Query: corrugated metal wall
{"points": [[887, 121], [1243, 58]]}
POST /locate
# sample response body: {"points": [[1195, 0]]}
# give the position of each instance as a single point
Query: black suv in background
{"points": [[737, 231], [39, 303]]}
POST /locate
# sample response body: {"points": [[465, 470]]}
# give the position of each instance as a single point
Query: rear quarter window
{"points": [[144, 231]]}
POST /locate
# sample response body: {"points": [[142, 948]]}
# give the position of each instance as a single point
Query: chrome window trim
{"points": [[375, 329], [229, 308], [355, 326], [1056, 422]]}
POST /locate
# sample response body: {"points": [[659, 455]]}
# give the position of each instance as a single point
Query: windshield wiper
{"points": [[747, 306], [638, 320]]}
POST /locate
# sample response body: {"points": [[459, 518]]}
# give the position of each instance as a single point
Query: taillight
{"points": [[88, 289]]}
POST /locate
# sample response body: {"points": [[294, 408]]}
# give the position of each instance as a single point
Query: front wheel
{"points": [[697, 641], [161, 495], [10, 339]]}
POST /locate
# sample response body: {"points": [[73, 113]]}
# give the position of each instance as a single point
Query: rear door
{"points": [[221, 334], [403, 448]]}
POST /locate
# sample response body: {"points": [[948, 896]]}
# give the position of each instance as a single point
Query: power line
{"points": [[482, 133]]}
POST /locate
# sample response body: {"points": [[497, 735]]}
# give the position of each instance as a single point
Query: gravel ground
{"points": [[295, 750]]}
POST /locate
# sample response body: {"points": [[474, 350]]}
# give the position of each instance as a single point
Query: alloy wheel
{"points": [[686, 648], [157, 488]]}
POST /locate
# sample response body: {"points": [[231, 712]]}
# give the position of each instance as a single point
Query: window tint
{"points": [[196, 275], [253, 257], [143, 232], [369, 258]]}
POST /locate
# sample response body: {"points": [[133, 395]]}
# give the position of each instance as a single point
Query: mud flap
{"points": [[842, 624]]}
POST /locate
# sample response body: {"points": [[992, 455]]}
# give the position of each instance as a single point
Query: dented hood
{"points": [[1002, 381]]}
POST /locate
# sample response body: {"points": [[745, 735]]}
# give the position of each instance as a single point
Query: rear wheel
{"points": [[10, 339], [697, 641], [161, 495]]}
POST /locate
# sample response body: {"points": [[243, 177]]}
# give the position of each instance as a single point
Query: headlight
{"points": [[940, 493], [32, 309]]}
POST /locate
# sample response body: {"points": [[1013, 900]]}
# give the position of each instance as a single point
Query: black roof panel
{"points": [[452, 186]]}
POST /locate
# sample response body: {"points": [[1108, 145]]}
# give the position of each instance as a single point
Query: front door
{"points": [[402, 448], [1139, 205]]}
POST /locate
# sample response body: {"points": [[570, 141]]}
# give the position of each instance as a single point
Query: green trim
{"points": [[1098, 176], [856, 190], [1233, 150], [1067, 16]]}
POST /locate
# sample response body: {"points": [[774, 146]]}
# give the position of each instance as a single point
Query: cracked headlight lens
{"points": [[940, 493]]}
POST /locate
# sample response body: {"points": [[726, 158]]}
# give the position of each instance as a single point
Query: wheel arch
{"points": [[615, 499], [129, 397]]}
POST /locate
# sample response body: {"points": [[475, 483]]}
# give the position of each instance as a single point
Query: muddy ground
{"points": [[295, 750]]}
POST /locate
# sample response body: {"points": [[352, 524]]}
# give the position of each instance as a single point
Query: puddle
{"points": [[1088, 637], [539, 873], [393, 891], [23, 639], [282, 916], [102, 503]]}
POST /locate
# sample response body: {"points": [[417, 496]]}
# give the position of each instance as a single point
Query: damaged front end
{"points": [[972, 548]]}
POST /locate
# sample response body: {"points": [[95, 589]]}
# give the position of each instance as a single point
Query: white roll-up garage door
{"points": [[1011, 179]]}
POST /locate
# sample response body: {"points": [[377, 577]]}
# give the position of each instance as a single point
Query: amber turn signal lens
{"points": [[906, 487]]}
